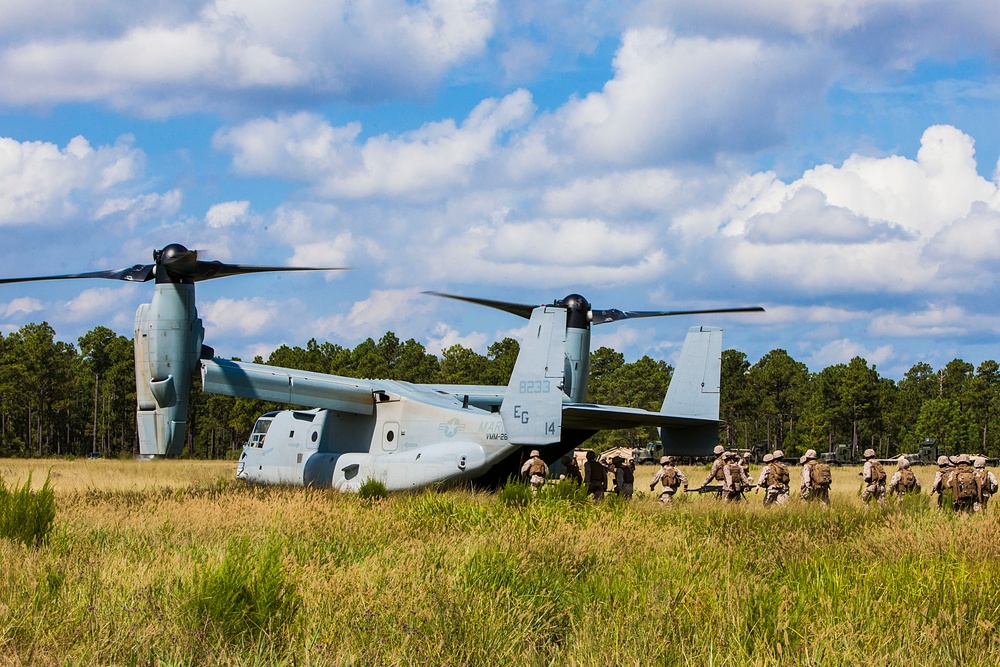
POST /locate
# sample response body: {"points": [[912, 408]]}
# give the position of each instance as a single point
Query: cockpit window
{"points": [[259, 431]]}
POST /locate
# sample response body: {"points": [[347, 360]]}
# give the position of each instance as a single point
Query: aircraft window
{"points": [[389, 436], [259, 431], [291, 434], [315, 436]]}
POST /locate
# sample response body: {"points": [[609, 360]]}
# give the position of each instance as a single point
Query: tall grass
{"points": [[27, 515], [457, 578], [245, 596]]}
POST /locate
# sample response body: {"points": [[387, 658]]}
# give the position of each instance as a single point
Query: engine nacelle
{"points": [[168, 340]]}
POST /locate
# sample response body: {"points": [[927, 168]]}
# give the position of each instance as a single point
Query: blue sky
{"points": [[832, 160]]}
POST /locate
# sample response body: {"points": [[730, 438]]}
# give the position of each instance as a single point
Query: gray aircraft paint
{"points": [[168, 339]]}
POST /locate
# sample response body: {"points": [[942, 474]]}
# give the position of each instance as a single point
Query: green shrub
{"points": [[246, 595], [515, 493], [564, 490], [372, 489], [26, 515]]}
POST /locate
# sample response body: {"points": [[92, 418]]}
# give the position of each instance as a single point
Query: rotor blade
{"points": [[519, 309], [614, 315], [139, 273], [209, 270]]}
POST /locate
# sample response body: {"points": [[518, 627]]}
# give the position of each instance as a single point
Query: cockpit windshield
{"points": [[259, 431]]}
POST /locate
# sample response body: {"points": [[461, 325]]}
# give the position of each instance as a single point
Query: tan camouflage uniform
{"points": [[715, 473], [667, 495], [873, 489], [735, 481], [896, 483], [535, 470], [775, 493], [962, 465], [811, 491], [940, 477], [988, 481]]}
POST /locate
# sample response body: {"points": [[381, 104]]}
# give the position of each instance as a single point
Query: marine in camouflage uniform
{"points": [[595, 476], [964, 501], [940, 477], [735, 480], [987, 481], [716, 474], [670, 477], [762, 479], [535, 470], [812, 487], [771, 476], [903, 480], [874, 476], [783, 490]]}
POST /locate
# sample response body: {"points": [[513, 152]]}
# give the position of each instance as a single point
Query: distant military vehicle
{"points": [[648, 455], [838, 455]]}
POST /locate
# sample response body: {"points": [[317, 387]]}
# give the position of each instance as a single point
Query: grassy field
{"points": [[175, 563]]}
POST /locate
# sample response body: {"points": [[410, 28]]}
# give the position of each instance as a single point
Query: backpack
{"points": [[878, 473], [720, 474], [777, 474], [627, 474], [965, 485], [820, 474], [907, 481], [984, 481], [669, 477], [536, 468], [736, 474]]}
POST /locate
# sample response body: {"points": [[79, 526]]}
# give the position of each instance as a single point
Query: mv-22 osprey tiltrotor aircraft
{"points": [[402, 434]]}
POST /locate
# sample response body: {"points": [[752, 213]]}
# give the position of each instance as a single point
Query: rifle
{"points": [[717, 488]]}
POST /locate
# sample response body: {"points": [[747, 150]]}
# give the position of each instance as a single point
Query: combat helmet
{"points": [[980, 462], [534, 454], [810, 455], [869, 453], [719, 449], [943, 461], [903, 464], [665, 460], [964, 459], [778, 454], [768, 458]]}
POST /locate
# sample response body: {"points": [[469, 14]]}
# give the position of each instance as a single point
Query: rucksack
{"points": [[669, 477], [907, 481], [965, 485], [820, 474], [984, 481], [736, 475], [878, 473], [777, 474], [537, 467], [720, 474]]}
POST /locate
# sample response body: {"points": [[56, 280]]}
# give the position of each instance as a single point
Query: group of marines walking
{"points": [[967, 481]]}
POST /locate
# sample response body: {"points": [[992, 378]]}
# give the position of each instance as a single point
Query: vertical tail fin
{"points": [[532, 406], [694, 393]]}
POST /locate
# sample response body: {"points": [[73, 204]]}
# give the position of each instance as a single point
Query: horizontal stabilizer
{"points": [[589, 417], [283, 385]]}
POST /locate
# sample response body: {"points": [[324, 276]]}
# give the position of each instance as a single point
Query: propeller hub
{"points": [[577, 311]]}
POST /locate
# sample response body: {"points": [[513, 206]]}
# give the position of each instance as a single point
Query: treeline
{"points": [[61, 399]]}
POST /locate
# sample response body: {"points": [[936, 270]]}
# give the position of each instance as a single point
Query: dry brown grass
{"points": [[455, 578]]}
